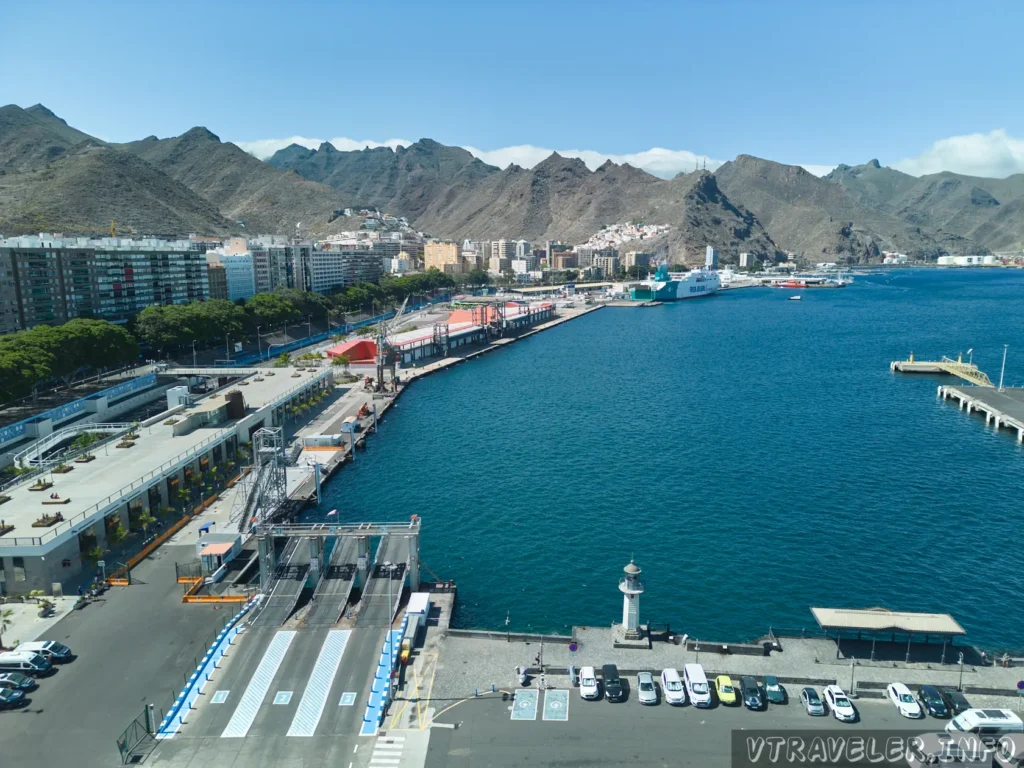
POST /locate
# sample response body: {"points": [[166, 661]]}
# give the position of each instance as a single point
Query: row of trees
{"points": [[61, 354]]}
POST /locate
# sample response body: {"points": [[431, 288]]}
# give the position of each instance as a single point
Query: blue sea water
{"points": [[754, 454]]}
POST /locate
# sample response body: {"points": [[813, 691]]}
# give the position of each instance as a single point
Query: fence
{"points": [[137, 739]]}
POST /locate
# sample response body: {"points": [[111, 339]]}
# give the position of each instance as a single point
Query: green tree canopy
{"points": [[271, 310]]}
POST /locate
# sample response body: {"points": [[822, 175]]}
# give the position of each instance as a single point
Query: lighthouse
{"points": [[631, 588]]}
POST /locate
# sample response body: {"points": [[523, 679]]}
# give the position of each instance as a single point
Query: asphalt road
{"points": [[134, 645], [600, 733]]}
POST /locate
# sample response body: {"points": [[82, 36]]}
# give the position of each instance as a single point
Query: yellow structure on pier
{"points": [[967, 371]]}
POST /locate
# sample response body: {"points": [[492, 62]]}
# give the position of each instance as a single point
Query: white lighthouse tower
{"points": [[631, 588]]}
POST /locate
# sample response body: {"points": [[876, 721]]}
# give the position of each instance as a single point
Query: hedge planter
{"points": [[63, 469], [85, 459], [125, 444], [43, 485]]}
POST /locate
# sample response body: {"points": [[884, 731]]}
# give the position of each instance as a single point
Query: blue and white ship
{"points": [[673, 286]]}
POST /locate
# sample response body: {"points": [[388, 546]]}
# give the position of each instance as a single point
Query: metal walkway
{"points": [[374, 608], [332, 593], [289, 580]]}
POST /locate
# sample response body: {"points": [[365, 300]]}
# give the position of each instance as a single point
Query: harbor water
{"points": [[755, 455]]}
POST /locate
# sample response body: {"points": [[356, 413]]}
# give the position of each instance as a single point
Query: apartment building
{"points": [[218, 279], [332, 269], [270, 267], [442, 256], [57, 279]]}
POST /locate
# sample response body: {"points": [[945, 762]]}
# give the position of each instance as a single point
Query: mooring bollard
{"points": [[475, 692], [493, 689]]}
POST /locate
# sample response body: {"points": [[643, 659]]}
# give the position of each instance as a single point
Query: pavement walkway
{"points": [[25, 622]]}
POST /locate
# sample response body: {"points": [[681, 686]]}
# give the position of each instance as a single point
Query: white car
{"points": [[672, 687], [588, 684], [839, 703], [904, 701]]}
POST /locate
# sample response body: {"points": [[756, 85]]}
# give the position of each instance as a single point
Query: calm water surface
{"points": [[754, 454]]}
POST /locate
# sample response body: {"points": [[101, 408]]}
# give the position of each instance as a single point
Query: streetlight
{"points": [[960, 685], [259, 347], [1004, 368], [309, 326], [194, 353], [227, 345]]}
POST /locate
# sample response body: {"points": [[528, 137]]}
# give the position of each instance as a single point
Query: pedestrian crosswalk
{"points": [[311, 708], [387, 752], [242, 720]]}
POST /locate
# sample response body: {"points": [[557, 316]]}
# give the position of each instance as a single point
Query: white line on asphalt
{"points": [[249, 705], [314, 698]]}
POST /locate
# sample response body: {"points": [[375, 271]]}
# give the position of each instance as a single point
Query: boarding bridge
{"points": [[289, 580], [397, 558], [335, 586]]}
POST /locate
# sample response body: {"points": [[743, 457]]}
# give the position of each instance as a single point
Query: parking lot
{"points": [[495, 730]]}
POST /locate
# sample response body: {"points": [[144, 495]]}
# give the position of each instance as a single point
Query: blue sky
{"points": [[812, 83]]}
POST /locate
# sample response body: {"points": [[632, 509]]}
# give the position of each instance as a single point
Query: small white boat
{"points": [[795, 298]]}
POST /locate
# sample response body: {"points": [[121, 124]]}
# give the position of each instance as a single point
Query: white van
{"points": [[25, 662], [988, 724], [697, 687], [50, 650]]}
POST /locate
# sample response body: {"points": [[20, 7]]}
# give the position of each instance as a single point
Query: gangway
{"points": [[383, 590], [967, 371], [332, 593], [289, 580]]}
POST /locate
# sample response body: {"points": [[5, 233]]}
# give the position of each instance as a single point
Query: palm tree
{"points": [[145, 520], [6, 622]]}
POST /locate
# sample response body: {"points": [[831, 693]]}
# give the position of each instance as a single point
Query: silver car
{"points": [[645, 690], [812, 702]]}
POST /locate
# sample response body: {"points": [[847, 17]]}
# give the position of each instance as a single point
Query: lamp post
{"points": [[960, 661], [309, 326], [194, 353], [227, 345], [1003, 371], [259, 347]]}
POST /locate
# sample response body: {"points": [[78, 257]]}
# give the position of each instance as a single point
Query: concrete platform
{"points": [[1002, 408]]}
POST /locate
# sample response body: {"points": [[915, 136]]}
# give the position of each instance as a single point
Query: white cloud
{"points": [[264, 148], [665, 163], [994, 154]]}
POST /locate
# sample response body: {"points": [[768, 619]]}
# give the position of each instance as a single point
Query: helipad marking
{"points": [[524, 706], [556, 705]]}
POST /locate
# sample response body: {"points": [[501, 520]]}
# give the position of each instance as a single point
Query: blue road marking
{"points": [[219, 697], [283, 697], [556, 705], [348, 699], [524, 706]]}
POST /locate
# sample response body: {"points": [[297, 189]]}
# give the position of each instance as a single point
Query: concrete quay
{"points": [[1002, 408]]}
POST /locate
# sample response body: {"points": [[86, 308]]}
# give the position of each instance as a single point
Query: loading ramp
{"points": [[335, 586]]}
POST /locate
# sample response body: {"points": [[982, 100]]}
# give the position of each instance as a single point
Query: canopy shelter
{"points": [[882, 622]]}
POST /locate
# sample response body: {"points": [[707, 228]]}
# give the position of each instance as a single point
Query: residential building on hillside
{"points": [[523, 249], [746, 260], [565, 260], [711, 257], [203, 244], [341, 268], [498, 266], [58, 279], [607, 263], [218, 279], [400, 264], [503, 249], [586, 256]]}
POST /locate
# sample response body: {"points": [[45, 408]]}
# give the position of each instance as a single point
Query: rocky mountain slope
{"points": [[818, 219], [251, 193], [82, 189], [404, 180], [989, 212], [30, 138]]}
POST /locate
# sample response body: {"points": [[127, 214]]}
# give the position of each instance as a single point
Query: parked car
{"points": [[10, 697], [645, 691], [955, 701], [51, 650], [725, 690], [932, 702], [25, 663], [773, 690], [840, 704], [812, 703], [17, 680], [696, 685], [752, 697], [613, 690], [672, 687], [904, 701], [588, 684]]}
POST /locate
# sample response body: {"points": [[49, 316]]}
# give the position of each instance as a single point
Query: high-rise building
{"points": [[239, 273], [523, 249], [439, 255], [608, 263], [503, 249], [636, 259], [565, 260], [299, 258], [747, 260], [218, 279], [341, 268], [270, 265], [57, 279], [711, 258]]}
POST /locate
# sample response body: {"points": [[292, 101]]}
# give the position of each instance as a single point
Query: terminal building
{"points": [[57, 517]]}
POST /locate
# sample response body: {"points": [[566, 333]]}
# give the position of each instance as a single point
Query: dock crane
{"points": [[387, 355]]}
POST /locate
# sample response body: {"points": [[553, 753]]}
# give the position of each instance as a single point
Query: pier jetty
{"points": [[969, 372], [1002, 407]]}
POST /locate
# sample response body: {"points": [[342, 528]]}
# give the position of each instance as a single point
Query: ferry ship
{"points": [[673, 286]]}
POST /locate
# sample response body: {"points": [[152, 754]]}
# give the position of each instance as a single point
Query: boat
{"points": [[795, 298], [674, 286]]}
